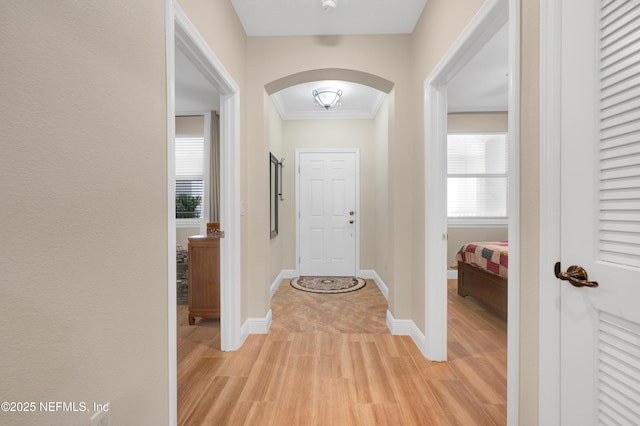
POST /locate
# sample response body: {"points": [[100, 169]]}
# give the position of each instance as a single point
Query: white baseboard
{"points": [[407, 328], [261, 325], [256, 326], [285, 273], [373, 275], [452, 274]]}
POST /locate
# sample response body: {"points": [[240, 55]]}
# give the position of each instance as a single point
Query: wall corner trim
{"points": [[284, 274], [256, 326], [373, 275], [407, 328]]}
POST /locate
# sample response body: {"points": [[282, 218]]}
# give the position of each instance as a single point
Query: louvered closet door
{"points": [[600, 327]]}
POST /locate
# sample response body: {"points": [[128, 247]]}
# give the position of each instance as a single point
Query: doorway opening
{"points": [[361, 125], [182, 36], [492, 16]]}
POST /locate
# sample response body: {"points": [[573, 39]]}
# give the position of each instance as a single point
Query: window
{"points": [[477, 178], [190, 196]]}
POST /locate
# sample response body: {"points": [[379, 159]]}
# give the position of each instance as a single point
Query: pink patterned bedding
{"points": [[491, 256]]}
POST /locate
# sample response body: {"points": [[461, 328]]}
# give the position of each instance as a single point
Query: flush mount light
{"points": [[327, 98], [329, 5]]}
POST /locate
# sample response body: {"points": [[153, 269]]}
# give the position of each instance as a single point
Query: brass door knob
{"points": [[576, 275]]}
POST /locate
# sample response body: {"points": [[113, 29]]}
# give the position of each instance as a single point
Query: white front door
{"points": [[600, 158], [327, 213]]}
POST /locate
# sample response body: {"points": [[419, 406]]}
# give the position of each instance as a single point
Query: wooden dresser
{"points": [[204, 278]]}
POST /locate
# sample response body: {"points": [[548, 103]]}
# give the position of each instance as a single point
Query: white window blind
{"points": [[477, 175], [189, 177]]}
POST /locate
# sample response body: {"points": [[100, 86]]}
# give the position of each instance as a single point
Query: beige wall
{"points": [[183, 234], [382, 207], [478, 122], [190, 125], [84, 236], [276, 146], [219, 25], [529, 211]]}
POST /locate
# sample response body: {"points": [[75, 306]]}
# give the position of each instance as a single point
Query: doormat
{"points": [[328, 284]]}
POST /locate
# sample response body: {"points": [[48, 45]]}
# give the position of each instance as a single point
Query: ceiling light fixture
{"points": [[327, 98], [329, 5]]}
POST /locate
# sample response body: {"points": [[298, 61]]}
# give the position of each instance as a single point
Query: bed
{"points": [[482, 274]]}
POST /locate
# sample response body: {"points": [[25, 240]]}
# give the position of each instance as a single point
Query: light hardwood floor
{"points": [[330, 360]]}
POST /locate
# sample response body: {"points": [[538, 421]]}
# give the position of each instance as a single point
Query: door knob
{"points": [[351, 213], [351, 221], [576, 275]]}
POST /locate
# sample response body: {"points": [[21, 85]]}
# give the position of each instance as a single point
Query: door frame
{"points": [[355, 151], [550, 149], [488, 20], [180, 31]]}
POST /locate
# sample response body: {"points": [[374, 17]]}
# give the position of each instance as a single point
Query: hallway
{"points": [[330, 360]]}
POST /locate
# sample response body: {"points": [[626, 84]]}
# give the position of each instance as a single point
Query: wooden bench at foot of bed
{"points": [[487, 288]]}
